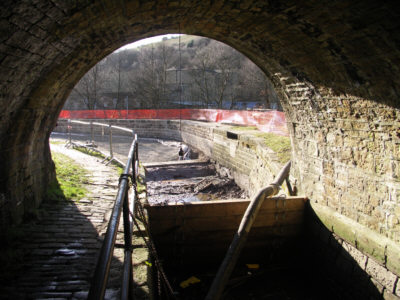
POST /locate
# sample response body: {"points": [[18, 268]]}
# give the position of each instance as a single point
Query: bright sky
{"points": [[147, 41]]}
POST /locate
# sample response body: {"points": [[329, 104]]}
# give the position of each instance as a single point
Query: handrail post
{"points": [[69, 131], [135, 161], [238, 242], [91, 133], [111, 149]]}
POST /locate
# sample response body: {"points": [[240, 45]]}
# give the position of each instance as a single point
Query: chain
{"points": [[150, 245]]}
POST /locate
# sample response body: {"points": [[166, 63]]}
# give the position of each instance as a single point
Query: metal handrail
{"points": [[238, 242], [102, 124], [100, 277], [110, 157]]}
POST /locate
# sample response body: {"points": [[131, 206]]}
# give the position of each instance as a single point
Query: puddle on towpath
{"points": [[188, 182]]}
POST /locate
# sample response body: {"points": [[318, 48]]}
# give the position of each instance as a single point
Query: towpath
{"points": [[56, 255]]}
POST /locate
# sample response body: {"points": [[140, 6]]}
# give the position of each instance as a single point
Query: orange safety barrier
{"points": [[267, 121]]}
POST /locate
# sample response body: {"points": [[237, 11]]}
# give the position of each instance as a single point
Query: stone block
{"points": [[359, 258], [375, 289], [371, 243], [381, 274], [388, 295]]}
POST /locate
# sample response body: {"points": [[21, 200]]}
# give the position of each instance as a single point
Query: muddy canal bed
{"points": [[188, 181]]}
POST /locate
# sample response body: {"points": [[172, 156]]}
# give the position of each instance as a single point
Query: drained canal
{"points": [[188, 181], [192, 231]]}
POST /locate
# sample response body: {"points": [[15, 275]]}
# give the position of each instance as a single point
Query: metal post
{"points": [[127, 106], [91, 133], [135, 167], [111, 150], [69, 131]]}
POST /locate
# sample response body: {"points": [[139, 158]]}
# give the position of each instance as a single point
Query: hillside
{"points": [[200, 73]]}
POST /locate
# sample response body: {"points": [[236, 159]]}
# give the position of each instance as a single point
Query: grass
{"points": [[244, 128], [279, 144], [71, 178], [57, 142]]}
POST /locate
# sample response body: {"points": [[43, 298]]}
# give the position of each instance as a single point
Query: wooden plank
{"points": [[222, 208], [212, 223], [272, 250], [175, 163], [212, 237]]}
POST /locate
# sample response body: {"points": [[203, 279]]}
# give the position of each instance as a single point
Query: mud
{"points": [[188, 182]]}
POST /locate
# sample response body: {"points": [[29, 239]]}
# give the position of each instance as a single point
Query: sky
{"points": [[147, 41]]}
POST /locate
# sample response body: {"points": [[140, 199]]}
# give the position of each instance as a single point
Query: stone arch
{"points": [[334, 66]]}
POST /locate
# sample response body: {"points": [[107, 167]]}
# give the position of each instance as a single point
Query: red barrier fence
{"points": [[267, 121]]}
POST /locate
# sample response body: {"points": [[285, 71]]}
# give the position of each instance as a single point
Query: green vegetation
{"points": [[57, 142], [243, 128], [140, 183], [279, 144], [70, 177]]}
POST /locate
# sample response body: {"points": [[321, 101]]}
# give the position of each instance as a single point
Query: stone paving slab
{"points": [[60, 251]]}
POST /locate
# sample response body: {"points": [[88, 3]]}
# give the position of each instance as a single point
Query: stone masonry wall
{"points": [[364, 264], [347, 154]]}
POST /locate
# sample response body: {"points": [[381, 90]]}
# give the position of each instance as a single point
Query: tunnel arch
{"points": [[333, 65]]}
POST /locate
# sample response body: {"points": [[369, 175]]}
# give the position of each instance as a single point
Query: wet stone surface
{"points": [[56, 255]]}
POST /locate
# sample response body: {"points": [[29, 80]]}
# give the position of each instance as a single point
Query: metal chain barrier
{"points": [[150, 245]]}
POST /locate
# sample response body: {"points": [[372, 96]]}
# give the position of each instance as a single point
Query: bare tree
{"points": [[148, 80], [253, 85], [117, 64], [213, 73], [89, 87]]}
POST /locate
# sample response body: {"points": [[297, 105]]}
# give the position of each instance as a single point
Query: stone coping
{"points": [[380, 248]]}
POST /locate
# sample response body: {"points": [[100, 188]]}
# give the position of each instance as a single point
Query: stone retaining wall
{"points": [[363, 263]]}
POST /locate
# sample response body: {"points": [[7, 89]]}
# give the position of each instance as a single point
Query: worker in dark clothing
{"points": [[180, 153]]}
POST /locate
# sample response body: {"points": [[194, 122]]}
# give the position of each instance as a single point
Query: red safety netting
{"points": [[267, 121]]}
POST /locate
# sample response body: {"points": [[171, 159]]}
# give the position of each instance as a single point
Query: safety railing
{"points": [[122, 203], [95, 141]]}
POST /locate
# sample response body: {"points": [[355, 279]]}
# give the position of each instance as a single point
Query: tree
{"points": [[89, 88], [213, 73], [117, 77], [148, 81], [254, 86]]}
